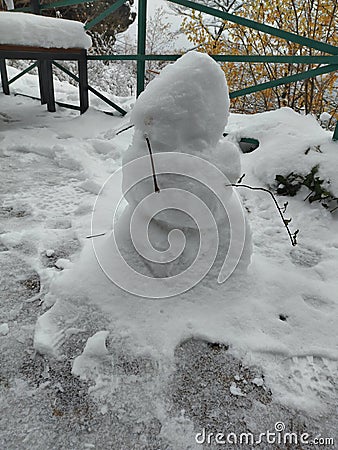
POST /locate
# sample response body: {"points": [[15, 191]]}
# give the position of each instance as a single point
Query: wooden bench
{"points": [[45, 58]]}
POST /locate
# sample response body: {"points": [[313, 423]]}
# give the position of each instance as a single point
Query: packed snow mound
{"points": [[188, 103], [18, 28], [288, 142], [87, 364]]}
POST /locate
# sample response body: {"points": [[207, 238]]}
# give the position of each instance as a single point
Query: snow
{"points": [[192, 198], [325, 117], [285, 150], [129, 369], [245, 311], [190, 97], [31, 30], [9, 4], [63, 263], [236, 391], [4, 329], [86, 364], [258, 381]]}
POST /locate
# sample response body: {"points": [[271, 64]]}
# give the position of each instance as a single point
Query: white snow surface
{"points": [[295, 150], [325, 117], [235, 390], [9, 4], [4, 329], [17, 28], [87, 364], [183, 114], [298, 356], [192, 93]]}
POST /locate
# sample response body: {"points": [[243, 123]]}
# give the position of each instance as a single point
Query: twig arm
{"points": [[293, 237]]}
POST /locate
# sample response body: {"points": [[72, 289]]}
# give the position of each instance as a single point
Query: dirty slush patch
{"points": [[203, 385]]}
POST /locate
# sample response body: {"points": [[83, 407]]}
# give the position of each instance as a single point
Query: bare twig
{"points": [[308, 195], [293, 237], [156, 72], [285, 207], [125, 129], [156, 188], [95, 235], [241, 179]]}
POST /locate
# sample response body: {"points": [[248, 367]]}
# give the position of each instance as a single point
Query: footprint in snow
{"points": [[64, 136], [319, 303], [316, 375], [53, 329], [14, 211], [18, 280], [34, 127], [305, 257], [3, 247], [7, 119], [58, 224]]}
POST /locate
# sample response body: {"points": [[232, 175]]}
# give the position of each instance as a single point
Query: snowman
{"points": [[175, 238], [177, 174]]}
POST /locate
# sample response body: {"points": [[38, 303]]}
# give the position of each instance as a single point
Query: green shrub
{"points": [[292, 183]]}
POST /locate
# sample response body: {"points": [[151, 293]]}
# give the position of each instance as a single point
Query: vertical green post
{"points": [[35, 5], [141, 44], [335, 134]]}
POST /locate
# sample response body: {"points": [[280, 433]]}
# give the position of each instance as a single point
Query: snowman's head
{"points": [[186, 105]]}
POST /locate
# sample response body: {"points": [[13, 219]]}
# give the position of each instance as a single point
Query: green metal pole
{"points": [[285, 80], [35, 5], [104, 14], [316, 59], [335, 134], [141, 44], [91, 89], [23, 73]]}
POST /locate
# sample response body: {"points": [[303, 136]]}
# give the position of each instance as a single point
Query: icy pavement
{"points": [[126, 396]]}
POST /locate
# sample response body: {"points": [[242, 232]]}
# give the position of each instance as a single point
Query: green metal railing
{"points": [[329, 62]]}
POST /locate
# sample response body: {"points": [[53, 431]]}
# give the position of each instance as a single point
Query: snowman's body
{"points": [[183, 111]]}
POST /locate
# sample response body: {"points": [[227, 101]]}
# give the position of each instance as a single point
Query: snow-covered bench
{"points": [[45, 39]]}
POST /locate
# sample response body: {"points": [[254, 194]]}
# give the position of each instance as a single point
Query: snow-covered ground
{"points": [[87, 365]]}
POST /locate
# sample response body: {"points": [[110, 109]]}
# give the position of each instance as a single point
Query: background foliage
{"points": [[315, 19]]}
